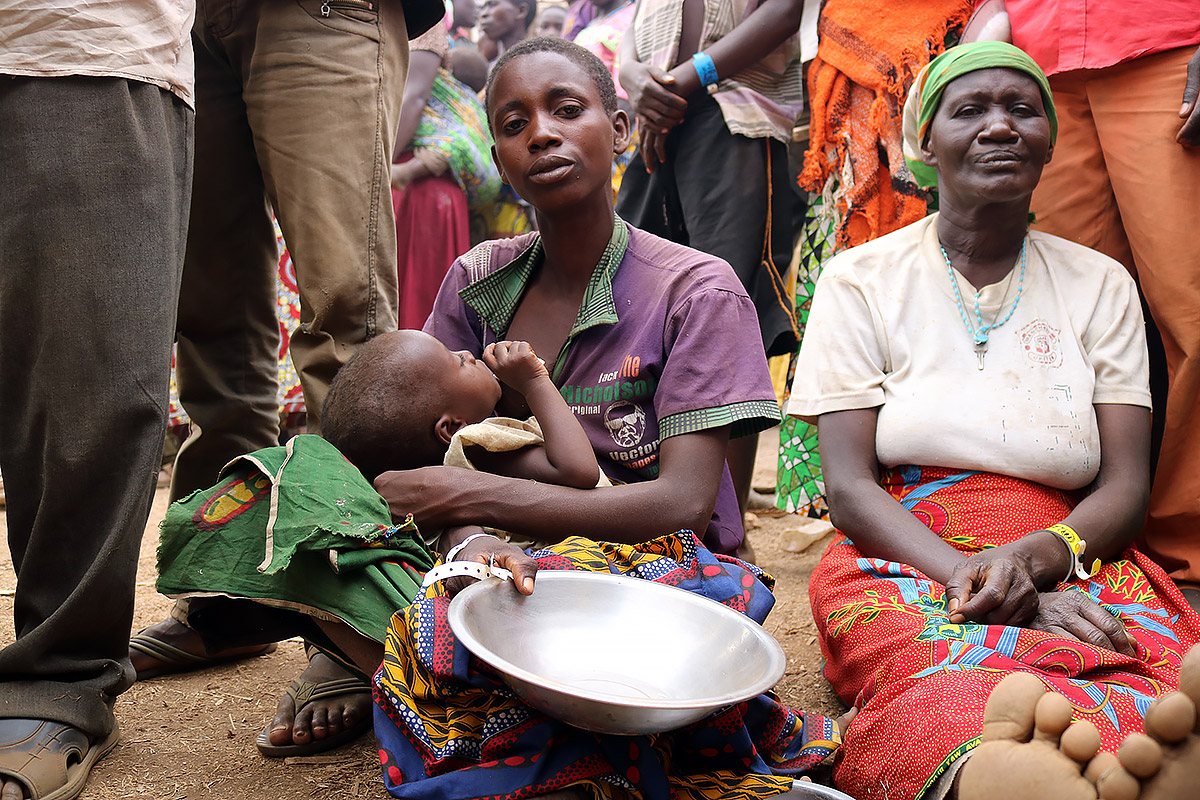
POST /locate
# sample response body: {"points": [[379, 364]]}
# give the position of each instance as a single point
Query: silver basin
{"points": [[614, 654]]}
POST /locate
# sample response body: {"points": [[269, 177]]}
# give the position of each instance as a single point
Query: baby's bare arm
{"points": [[566, 458]]}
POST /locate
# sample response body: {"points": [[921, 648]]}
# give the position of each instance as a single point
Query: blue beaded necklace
{"points": [[979, 332]]}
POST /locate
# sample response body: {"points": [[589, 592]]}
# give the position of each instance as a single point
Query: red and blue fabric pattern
{"points": [[449, 728]]}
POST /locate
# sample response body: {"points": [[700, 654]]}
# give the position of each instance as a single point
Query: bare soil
{"points": [[191, 737]]}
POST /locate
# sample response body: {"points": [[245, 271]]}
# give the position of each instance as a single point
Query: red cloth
{"points": [[1062, 35], [431, 231], [922, 682]]}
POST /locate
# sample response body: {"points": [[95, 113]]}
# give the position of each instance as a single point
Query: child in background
{"points": [[550, 21]]}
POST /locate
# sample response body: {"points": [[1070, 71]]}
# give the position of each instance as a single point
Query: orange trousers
{"points": [[1119, 183]]}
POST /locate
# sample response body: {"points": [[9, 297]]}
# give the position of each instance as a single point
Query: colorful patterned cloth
{"points": [[856, 87], [507, 217], [449, 728], [454, 126], [297, 528], [922, 682], [799, 487], [602, 36]]}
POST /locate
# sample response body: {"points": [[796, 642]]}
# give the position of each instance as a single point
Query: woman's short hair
{"points": [[584, 59]]}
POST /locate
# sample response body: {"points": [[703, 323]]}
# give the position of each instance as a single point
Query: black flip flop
{"points": [[174, 660], [304, 692]]}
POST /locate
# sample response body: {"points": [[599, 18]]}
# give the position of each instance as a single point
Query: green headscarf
{"points": [[931, 82]]}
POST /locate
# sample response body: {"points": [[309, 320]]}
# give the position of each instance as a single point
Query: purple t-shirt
{"points": [[666, 343]]}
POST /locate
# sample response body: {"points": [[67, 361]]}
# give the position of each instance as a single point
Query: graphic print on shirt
{"points": [[626, 423], [621, 399], [1042, 343]]}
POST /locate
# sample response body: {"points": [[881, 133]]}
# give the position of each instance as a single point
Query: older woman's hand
{"points": [[994, 587], [1078, 616]]}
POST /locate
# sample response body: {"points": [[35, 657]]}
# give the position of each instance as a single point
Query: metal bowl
{"points": [[614, 654]]}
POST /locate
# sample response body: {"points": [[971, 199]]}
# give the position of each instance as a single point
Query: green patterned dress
{"points": [[799, 488]]}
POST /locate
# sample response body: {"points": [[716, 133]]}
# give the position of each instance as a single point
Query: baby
{"points": [[406, 401]]}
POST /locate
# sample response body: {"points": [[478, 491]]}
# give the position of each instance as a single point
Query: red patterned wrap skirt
{"points": [[922, 682]]}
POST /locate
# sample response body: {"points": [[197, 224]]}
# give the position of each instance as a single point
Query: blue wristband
{"points": [[706, 69]]}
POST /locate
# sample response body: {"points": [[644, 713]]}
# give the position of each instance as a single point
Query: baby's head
{"points": [[398, 401]]}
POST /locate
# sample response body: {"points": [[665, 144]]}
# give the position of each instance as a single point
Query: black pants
{"points": [[93, 216], [717, 192]]}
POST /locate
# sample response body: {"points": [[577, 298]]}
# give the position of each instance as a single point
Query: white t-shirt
{"points": [[885, 331]]}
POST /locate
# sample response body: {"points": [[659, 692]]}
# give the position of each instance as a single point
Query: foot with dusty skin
{"points": [[1031, 749]]}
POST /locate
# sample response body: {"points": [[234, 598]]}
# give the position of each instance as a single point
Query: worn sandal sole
{"points": [[305, 692]]}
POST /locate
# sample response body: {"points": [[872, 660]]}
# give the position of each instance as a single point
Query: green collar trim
{"points": [[495, 297]]}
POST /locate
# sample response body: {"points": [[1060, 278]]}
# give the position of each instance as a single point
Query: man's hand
{"points": [[653, 145], [1189, 132], [652, 94], [515, 364]]}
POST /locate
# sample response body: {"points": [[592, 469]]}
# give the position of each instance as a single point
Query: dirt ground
{"points": [[191, 737]]}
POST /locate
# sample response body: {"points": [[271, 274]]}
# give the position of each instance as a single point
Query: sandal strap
{"points": [[304, 692], [161, 651]]}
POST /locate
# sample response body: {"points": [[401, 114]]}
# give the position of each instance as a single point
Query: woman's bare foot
{"points": [[1165, 761], [320, 718], [1031, 750]]}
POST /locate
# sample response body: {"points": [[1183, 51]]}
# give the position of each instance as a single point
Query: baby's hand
{"points": [[515, 364]]}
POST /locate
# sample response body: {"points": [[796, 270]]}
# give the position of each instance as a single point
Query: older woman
{"points": [[982, 401]]}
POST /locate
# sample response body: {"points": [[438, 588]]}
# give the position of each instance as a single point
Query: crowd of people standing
{"points": [[615, 185]]}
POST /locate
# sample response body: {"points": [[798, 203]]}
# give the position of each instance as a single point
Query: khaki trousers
{"points": [[297, 103], [1119, 183]]}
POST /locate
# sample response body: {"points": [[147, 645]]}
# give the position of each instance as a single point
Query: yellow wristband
{"points": [[1076, 546]]}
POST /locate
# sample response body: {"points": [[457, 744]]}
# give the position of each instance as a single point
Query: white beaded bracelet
{"points": [[454, 551]]}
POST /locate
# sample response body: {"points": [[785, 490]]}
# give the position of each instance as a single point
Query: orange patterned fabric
{"points": [[856, 85], [922, 682]]}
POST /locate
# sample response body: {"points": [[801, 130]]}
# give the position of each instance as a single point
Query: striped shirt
{"points": [[764, 99]]}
